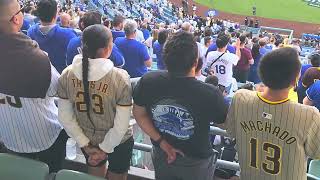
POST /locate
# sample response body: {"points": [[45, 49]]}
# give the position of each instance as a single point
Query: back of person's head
{"points": [[163, 36], [222, 40], [280, 68], [95, 39], [262, 42], [186, 26], [315, 59], [65, 20], [118, 20], [207, 31], [180, 53], [212, 79], [255, 51], [28, 9], [243, 39], [90, 18], [130, 27], [47, 10], [207, 40]]}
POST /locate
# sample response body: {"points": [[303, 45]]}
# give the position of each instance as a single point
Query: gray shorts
{"points": [[184, 168]]}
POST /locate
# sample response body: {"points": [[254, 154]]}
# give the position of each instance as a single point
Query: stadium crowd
{"points": [[65, 72]]}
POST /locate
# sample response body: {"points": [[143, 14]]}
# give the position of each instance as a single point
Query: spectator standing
{"points": [[91, 18], [65, 20], [214, 47], [134, 52], [258, 51], [242, 69], [27, 14], [95, 106], [306, 81], [51, 38], [28, 82], [313, 96], [175, 110], [269, 122], [117, 30], [221, 62], [158, 48]]}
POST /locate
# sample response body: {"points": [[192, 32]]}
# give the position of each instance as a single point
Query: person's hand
{"points": [[96, 158], [170, 151], [90, 150]]}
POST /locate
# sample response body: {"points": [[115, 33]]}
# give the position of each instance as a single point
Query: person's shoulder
{"points": [[119, 40], [121, 73], [75, 40], [244, 94], [65, 73], [66, 31]]}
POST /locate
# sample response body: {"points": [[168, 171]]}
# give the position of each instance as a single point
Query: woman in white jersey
{"points": [[95, 105]]}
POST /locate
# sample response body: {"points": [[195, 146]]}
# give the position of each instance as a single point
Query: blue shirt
{"points": [[135, 54], [75, 43], [146, 33], [116, 34], [25, 26], [54, 42], [313, 94], [214, 47], [304, 68], [157, 50]]}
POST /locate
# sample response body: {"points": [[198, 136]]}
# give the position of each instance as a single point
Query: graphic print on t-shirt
{"points": [[173, 118]]}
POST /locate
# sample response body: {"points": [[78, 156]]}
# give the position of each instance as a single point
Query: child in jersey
{"points": [[95, 105]]}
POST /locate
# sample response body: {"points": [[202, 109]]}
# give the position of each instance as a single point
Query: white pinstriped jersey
{"points": [[30, 125], [274, 139]]}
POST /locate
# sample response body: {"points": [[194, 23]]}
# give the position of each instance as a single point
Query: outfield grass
{"points": [[294, 10]]}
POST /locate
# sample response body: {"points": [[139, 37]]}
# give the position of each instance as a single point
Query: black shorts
{"points": [[53, 156], [119, 160]]}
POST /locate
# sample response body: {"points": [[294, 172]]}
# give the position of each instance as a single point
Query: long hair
{"points": [[94, 37], [255, 50]]}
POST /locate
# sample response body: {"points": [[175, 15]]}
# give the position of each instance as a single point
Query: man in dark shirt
{"points": [[175, 110]]}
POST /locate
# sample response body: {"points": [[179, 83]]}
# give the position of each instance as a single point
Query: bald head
{"points": [[11, 19], [65, 20], [186, 26]]}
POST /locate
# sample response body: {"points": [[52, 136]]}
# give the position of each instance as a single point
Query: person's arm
{"points": [[147, 126], [146, 57], [122, 118], [311, 145], [307, 101], [238, 52], [251, 61], [69, 122]]}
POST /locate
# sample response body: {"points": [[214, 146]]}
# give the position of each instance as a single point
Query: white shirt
{"points": [[34, 126], [223, 67], [139, 36]]}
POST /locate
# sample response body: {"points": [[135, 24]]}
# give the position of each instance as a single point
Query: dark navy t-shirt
{"points": [[181, 109], [135, 54]]}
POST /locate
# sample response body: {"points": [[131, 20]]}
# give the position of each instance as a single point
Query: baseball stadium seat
{"points": [[18, 168], [74, 175], [314, 168]]}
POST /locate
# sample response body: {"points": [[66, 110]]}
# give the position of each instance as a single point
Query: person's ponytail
{"points": [[85, 72]]}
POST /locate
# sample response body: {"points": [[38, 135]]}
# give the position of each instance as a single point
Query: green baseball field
{"points": [[293, 10]]}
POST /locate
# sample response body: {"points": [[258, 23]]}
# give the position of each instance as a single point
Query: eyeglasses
{"points": [[21, 10]]}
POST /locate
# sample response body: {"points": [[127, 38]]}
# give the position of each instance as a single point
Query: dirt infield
{"points": [[298, 27]]}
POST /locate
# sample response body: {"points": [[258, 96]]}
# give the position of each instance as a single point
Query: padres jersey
{"points": [[273, 139], [111, 90]]}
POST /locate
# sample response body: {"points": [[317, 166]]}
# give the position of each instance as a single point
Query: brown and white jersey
{"points": [[274, 139], [107, 90]]}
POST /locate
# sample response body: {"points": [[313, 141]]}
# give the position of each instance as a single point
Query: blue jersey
{"points": [[313, 94]]}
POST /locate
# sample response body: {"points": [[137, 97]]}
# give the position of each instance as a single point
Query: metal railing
{"points": [[213, 130]]}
